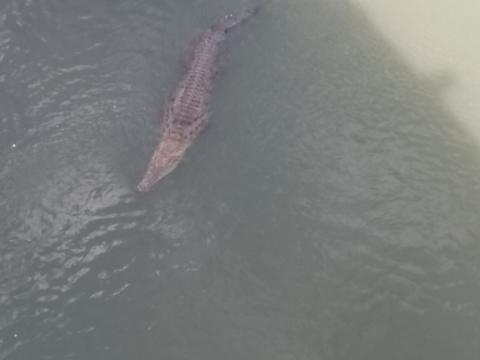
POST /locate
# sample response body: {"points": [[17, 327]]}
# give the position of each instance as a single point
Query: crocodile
{"points": [[186, 112]]}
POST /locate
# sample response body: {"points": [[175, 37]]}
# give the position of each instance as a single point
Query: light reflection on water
{"points": [[330, 211], [436, 39]]}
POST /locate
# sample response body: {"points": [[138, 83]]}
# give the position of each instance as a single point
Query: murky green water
{"points": [[331, 211]]}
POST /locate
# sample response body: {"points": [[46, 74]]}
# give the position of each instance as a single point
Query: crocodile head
{"points": [[165, 159]]}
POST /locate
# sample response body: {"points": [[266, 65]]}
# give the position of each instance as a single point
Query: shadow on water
{"points": [[330, 213]]}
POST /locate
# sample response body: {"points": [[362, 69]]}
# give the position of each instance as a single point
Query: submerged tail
{"points": [[230, 21]]}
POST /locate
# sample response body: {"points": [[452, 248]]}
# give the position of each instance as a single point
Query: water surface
{"points": [[330, 211]]}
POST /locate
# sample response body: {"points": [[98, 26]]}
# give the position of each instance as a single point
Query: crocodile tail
{"points": [[229, 21]]}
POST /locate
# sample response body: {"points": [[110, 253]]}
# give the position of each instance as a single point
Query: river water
{"points": [[330, 211]]}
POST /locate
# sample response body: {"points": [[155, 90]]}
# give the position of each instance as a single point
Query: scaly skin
{"points": [[186, 114]]}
